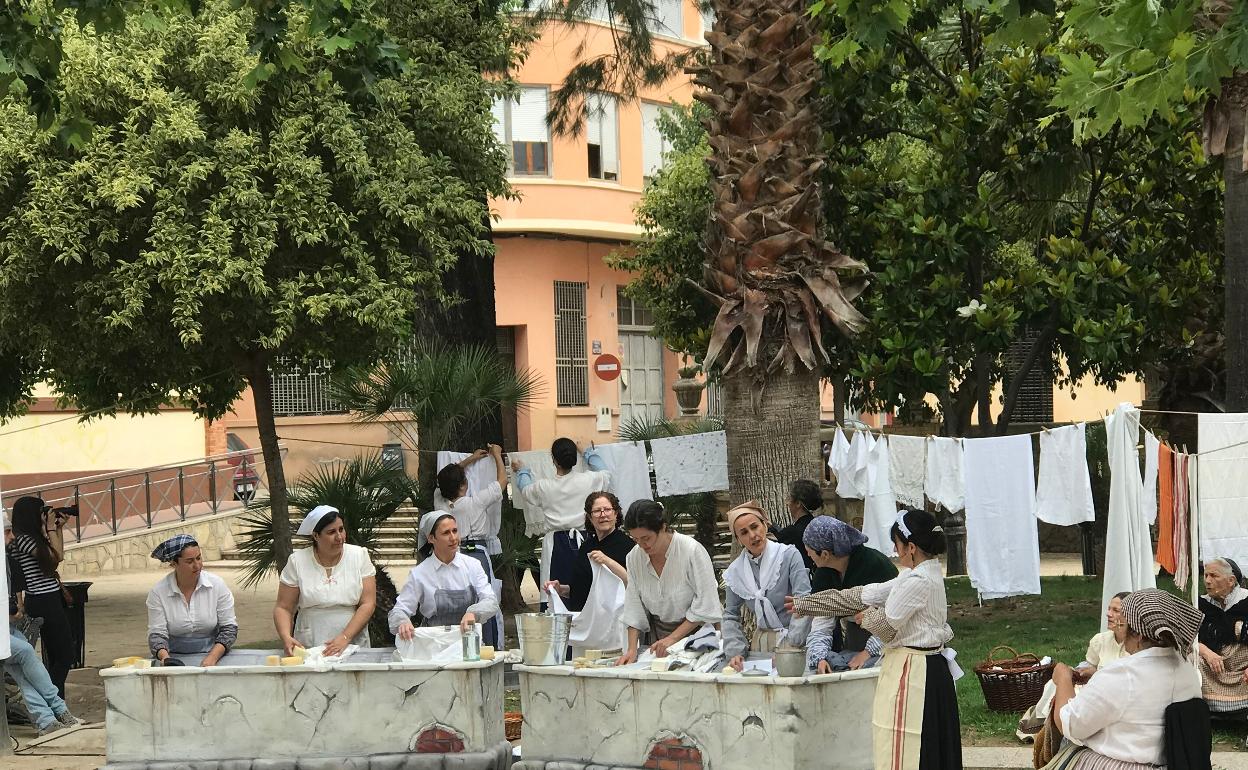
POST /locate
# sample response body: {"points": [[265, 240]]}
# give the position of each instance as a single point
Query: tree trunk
{"points": [[1236, 264], [262, 393], [773, 436]]}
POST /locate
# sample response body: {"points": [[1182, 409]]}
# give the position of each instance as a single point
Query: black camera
{"points": [[66, 511]]}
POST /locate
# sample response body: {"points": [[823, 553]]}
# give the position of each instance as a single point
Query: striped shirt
{"points": [[22, 551]]}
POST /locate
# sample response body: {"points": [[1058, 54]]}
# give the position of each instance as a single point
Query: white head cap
{"points": [[308, 526]]}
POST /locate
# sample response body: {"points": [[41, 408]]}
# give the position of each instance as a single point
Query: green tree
{"points": [[215, 221]]}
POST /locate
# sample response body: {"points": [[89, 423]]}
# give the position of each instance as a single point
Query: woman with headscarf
{"points": [[35, 558], [759, 578], [447, 587], [842, 560], [327, 592], [1118, 720], [915, 714], [1224, 637], [190, 610]]}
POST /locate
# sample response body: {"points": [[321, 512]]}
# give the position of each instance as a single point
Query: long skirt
{"points": [[1226, 692], [1072, 757], [915, 714]]}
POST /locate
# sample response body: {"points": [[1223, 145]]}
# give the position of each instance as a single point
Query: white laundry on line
{"points": [[630, 471], [907, 465], [1002, 542], [1151, 448], [1222, 486], [879, 508], [944, 482], [685, 465], [1128, 545], [1064, 490], [839, 464]]}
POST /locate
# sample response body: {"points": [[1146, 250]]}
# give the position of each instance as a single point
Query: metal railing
{"points": [[112, 503]]}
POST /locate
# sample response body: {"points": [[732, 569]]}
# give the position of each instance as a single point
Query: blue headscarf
{"points": [[828, 533], [171, 549]]}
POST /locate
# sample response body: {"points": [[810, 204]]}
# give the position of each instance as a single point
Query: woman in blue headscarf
{"points": [[190, 611]]}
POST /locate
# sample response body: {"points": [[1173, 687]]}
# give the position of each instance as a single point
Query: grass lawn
{"points": [[1058, 623]]}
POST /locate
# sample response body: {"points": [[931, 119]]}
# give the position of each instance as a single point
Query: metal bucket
{"points": [[789, 661], [543, 638]]}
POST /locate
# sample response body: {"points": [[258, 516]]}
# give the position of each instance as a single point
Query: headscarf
{"points": [[308, 525], [1235, 570], [828, 533], [424, 530], [1162, 618], [744, 509], [171, 549]]}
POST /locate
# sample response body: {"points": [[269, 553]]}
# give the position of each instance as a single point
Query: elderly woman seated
{"points": [[1131, 714], [1224, 637]]}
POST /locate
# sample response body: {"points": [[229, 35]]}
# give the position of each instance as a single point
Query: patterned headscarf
{"points": [[171, 549], [1162, 618], [828, 533]]}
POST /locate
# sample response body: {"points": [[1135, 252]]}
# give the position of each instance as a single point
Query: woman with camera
{"points": [[35, 558]]}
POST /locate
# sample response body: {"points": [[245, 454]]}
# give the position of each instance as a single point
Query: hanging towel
{"points": [[1064, 491], [907, 463], [479, 475], [1195, 519], [944, 484], [1182, 554], [1222, 487], [879, 509], [1149, 500], [1128, 544], [851, 470], [1002, 541], [630, 472], [684, 465], [1165, 509]]}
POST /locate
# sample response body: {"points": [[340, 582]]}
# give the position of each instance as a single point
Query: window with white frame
{"points": [[668, 18], [654, 146], [602, 136], [571, 357], [708, 17], [520, 123]]}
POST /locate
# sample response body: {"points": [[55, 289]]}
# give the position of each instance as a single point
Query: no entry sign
{"points": [[607, 367]]}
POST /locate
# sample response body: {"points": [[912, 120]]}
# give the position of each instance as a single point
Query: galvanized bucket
{"points": [[543, 638]]}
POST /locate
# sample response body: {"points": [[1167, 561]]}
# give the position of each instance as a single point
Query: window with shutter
{"points": [[521, 123], [602, 137], [571, 355], [654, 146], [669, 19]]}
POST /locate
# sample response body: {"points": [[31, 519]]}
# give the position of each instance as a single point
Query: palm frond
{"points": [[648, 427]]}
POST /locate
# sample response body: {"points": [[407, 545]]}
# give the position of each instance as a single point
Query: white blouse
{"points": [[558, 504], [914, 603], [1104, 649], [472, 513], [432, 575], [687, 589], [1120, 712], [211, 607], [337, 586]]}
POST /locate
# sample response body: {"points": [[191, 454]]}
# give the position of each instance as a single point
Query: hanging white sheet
{"points": [[687, 464], [1002, 543], [1064, 491], [1222, 486], [630, 471], [907, 466], [1128, 545], [479, 475], [1149, 499], [879, 508], [945, 483], [839, 464]]}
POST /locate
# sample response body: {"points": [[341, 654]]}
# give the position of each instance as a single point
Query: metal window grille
{"points": [[714, 399], [571, 360], [300, 390], [1035, 397]]}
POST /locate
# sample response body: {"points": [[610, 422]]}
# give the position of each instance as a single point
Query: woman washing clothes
{"points": [[915, 715], [759, 578], [190, 610], [447, 587], [672, 589], [605, 543], [326, 593]]}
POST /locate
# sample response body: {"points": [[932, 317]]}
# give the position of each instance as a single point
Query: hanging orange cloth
{"points": [[1165, 509]]}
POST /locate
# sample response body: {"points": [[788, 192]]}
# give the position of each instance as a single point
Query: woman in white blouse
{"points": [[190, 610], [672, 589], [327, 592], [1118, 719], [915, 714], [447, 587]]}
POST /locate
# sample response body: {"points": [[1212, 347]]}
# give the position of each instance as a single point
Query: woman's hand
{"points": [[468, 621], [406, 630], [516, 465], [659, 648], [494, 450], [1214, 661], [336, 645], [161, 655], [598, 557], [557, 587], [859, 660], [824, 667], [289, 644], [737, 662], [1063, 674], [858, 617], [788, 607], [629, 656]]}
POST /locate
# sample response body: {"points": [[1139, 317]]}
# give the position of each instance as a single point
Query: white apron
{"points": [[317, 625]]}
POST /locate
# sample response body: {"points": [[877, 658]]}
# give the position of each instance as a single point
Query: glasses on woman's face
{"points": [[602, 510]]}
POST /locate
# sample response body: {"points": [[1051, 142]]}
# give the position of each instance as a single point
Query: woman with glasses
{"points": [[605, 544]]}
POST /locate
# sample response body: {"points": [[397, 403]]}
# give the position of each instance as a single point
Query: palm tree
{"points": [[775, 279]]}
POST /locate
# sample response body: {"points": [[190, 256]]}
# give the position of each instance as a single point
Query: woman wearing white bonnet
{"points": [[447, 588], [327, 592]]}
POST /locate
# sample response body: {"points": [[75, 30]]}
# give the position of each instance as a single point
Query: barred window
{"points": [[1035, 395], [302, 389], [571, 362]]}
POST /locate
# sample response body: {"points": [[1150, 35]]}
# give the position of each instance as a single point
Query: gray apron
{"points": [[450, 605], [661, 628], [190, 645]]}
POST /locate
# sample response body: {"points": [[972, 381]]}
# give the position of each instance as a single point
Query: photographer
{"points": [[36, 558]]}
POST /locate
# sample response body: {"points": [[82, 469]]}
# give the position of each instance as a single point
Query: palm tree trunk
{"points": [[773, 436], [1235, 269], [262, 394]]}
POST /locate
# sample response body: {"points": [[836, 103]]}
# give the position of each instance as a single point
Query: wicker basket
{"points": [[512, 721], [1012, 685]]}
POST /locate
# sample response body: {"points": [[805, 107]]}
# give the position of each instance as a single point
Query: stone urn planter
{"points": [[688, 391]]}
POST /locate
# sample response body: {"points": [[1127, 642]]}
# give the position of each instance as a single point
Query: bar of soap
{"points": [[660, 664], [273, 660], [729, 670], [142, 663], [293, 660], [300, 653], [129, 660], [487, 652], [593, 654]]}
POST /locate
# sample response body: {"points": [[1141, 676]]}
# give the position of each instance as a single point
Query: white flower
{"points": [[967, 311]]}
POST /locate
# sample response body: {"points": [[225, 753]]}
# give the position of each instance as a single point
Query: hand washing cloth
{"points": [[684, 465], [907, 465], [945, 484], [1149, 498], [1128, 544], [879, 507], [1064, 491], [1222, 487], [630, 471], [1002, 543]]}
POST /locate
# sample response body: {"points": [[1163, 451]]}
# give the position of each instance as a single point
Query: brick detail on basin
{"points": [[674, 754], [439, 740]]}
